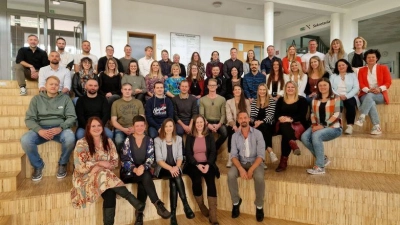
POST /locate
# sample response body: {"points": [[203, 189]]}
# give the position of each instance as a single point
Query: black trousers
{"points": [[177, 181], [196, 176], [109, 197], [287, 132], [350, 105], [267, 131], [145, 186]]}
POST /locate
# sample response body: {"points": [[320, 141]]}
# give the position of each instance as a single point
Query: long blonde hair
{"points": [[258, 103], [364, 42], [296, 95], [159, 74], [341, 50], [107, 71], [295, 52], [321, 68], [301, 73]]}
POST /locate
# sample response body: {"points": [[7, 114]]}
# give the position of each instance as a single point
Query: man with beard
{"points": [[92, 104], [85, 53], [247, 155], [252, 80], [28, 62], [122, 112], [221, 82], [54, 69], [67, 60]]}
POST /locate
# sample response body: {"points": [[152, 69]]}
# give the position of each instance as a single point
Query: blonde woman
{"points": [[316, 71], [291, 113], [356, 58], [154, 76], [110, 81], [291, 56], [297, 76], [262, 112], [173, 82], [335, 53]]}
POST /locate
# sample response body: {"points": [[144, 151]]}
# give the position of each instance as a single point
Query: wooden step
{"points": [[11, 163], [5, 220], [224, 217], [15, 92], [11, 134], [336, 198], [13, 84], [13, 110], [12, 121], [9, 181], [8, 148], [15, 100]]}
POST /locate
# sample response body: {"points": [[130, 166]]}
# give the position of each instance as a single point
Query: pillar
{"points": [[105, 21], [268, 24], [335, 26]]}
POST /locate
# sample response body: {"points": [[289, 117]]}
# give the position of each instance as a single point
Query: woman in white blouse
{"points": [[297, 75]]}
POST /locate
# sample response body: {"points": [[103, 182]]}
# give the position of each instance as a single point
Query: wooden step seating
{"points": [[5, 220], [360, 187]]}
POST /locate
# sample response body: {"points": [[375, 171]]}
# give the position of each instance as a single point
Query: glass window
{"points": [[66, 8], [34, 5]]}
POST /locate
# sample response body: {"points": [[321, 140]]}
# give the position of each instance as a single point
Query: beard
{"points": [[55, 62], [92, 92], [244, 124]]}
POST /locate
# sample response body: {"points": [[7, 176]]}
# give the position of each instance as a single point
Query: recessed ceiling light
{"points": [[217, 4]]}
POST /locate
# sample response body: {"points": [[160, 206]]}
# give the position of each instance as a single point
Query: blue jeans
{"points": [[179, 129], [119, 139], [368, 106], [80, 133], [75, 100], [30, 140], [153, 132], [313, 141]]}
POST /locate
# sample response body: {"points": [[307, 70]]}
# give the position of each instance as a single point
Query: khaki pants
{"points": [[22, 73], [259, 183]]}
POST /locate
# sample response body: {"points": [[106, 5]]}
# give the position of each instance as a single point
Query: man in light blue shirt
{"points": [[247, 155], [54, 69]]}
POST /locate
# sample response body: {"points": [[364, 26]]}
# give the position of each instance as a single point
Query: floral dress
{"points": [[87, 187], [150, 81]]}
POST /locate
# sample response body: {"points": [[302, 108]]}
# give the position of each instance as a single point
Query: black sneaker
{"points": [[37, 174], [62, 171], [139, 218], [260, 214], [236, 209], [161, 210]]}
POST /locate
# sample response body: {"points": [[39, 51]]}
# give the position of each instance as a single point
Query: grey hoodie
{"points": [[45, 111]]}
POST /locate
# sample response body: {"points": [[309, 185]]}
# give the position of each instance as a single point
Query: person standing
{"points": [[291, 56], [247, 155], [356, 57], [146, 61], [176, 59], [101, 66], [127, 58], [214, 60], [335, 53], [196, 60], [67, 60], [252, 80], [312, 48], [266, 64], [85, 53], [246, 65], [165, 64], [28, 62], [232, 62]]}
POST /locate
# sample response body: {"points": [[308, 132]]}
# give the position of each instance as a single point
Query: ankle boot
{"points": [[203, 208], [108, 216], [124, 193], [161, 210], [173, 198], [282, 164], [139, 217], [212, 205], [181, 189]]}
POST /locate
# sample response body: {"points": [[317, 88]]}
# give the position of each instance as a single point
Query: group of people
{"points": [[139, 112]]}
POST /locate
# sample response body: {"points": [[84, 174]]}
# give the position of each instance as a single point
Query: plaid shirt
{"points": [[333, 112]]}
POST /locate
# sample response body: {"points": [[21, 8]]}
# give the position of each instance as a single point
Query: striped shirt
{"points": [[269, 111]]}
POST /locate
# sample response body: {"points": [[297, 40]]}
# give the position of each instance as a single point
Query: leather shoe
{"points": [[236, 209], [260, 214]]}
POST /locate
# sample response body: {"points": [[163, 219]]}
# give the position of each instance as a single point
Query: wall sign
{"points": [[315, 25]]}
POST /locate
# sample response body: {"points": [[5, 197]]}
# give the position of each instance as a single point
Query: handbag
{"points": [[297, 127]]}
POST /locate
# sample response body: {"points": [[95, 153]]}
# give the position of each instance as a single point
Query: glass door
{"points": [[70, 30]]}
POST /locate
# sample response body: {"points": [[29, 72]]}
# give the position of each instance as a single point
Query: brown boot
{"points": [[212, 205], [203, 208], [282, 164]]}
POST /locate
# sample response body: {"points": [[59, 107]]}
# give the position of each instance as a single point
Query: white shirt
{"points": [[246, 148], [301, 83], [144, 66], [65, 58], [78, 57], [306, 58], [62, 73], [341, 89]]}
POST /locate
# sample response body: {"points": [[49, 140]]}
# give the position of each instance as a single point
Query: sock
{"points": [[237, 203], [259, 207], [362, 116]]}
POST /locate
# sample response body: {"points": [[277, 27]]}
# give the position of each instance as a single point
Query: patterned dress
{"points": [[172, 85], [150, 81], [87, 187]]}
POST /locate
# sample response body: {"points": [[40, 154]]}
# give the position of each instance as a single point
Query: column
{"points": [[349, 31], [335, 26], [105, 21], [268, 24]]}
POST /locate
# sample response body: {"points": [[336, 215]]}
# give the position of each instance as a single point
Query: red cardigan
{"points": [[285, 63], [383, 78]]}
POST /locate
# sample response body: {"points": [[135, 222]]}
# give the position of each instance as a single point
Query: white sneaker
{"points": [[360, 121], [229, 163], [22, 91], [376, 130], [265, 166], [273, 157], [349, 129]]}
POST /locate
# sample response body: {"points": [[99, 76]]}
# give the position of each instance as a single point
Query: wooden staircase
{"points": [[361, 186]]}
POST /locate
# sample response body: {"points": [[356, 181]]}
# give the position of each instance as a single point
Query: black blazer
{"points": [[211, 152]]}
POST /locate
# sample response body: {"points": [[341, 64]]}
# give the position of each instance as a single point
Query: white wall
{"points": [[162, 20], [393, 50]]}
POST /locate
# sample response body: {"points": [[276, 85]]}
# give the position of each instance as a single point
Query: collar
{"points": [[180, 96]]}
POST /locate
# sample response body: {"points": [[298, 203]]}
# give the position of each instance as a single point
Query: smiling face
{"points": [[212, 86], [342, 67], [262, 91], [139, 127], [155, 67], [33, 41], [215, 56], [54, 58], [294, 67], [159, 89], [52, 85], [133, 67], [233, 54], [86, 65], [335, 45], [243, 119], [371, 59], [276, 66], [169, 128], [86, 47], [237, 91], [95, 128], [164, 56], [358, 43], [234, 72], [109, 51], [270, 51], [250, 54], [111, 65], [314, 63], [290, 89], [199, 124], [176, 70], [184, 87], [292, 50], [323, 87]]}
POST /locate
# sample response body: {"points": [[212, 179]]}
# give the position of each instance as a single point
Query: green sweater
{"points": [[213, 109], [137, 82], [45, 111]]}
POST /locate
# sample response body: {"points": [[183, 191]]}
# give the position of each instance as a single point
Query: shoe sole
{"points": [[359, 124], [61, 176], [37, 179], [240, 202], [327, 163], [312, 173], [376, 133]]}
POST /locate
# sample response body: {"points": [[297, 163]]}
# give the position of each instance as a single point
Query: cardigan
{"points": [[231, 112], [280, 89], [333, 112], [330, 62], [301, 83], [269, 111], [383, 78], [298, 116], [161, 151], [352, 86], [285, 64], [351, 56]]}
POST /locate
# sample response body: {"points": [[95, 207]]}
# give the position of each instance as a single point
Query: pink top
{"points": [[199, 149]]}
